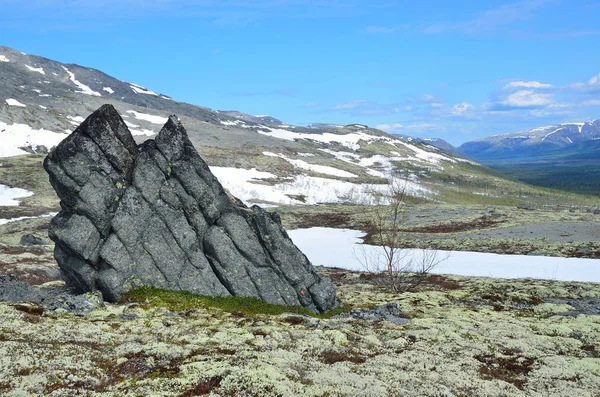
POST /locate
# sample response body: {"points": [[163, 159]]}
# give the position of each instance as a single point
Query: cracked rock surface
{"points": [[155, 215]]}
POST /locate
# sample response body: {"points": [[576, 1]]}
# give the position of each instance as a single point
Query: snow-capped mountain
{"points": [[259, 158], [548, 140]]}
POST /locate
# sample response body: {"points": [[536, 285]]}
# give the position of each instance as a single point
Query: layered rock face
{"points": [[155, 215]]}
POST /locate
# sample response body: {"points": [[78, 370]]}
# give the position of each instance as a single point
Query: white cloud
{"points": [[591, 102], [350, 105], [527, 98], [526, 84], [387, 127], [462, 109], [594, 80]]}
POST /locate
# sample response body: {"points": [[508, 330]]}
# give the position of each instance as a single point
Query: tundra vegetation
{"points": [[465, 337]]}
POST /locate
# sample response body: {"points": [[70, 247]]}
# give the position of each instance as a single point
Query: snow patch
{"points": [[321, 169], [14, 102], [84, 88], [342, 244], [238, 123], [15, 136], [142, 132], [148, 117], [108, 89], [570, 141], [349, 140], [131, 125], [9, 220], [37, 70], [314, 190], [3, 58], [550, 133], [76, 120], [138, 89], [9, 194], [43, 107]]}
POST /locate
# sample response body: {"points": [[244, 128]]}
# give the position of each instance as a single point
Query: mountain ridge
{"points": [[535, 142]]}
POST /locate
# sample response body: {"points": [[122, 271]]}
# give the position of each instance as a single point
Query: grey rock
{"points": [[155, 215], [14, 290], [583, 251], [387, 312], [588, 306], [30, 239], [527, 207], [63, 298]]}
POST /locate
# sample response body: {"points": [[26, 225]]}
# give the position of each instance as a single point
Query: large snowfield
{"points": [[343, 248]]}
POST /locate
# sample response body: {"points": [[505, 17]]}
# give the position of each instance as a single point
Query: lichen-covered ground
{"points": [[465, 337]]}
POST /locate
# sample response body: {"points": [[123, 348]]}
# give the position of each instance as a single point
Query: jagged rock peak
{"points": [[155, 215]]}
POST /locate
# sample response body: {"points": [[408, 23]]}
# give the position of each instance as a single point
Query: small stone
{"points": [[30, 239]]}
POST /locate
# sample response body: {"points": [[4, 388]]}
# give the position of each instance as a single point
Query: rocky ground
{"points": [[461, 337]]}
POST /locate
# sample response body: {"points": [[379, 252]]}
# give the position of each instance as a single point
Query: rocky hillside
{"points": [[552, 140], [258, 158]]}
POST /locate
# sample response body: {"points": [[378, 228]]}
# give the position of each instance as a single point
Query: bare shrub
{"points": [[404, 269]]}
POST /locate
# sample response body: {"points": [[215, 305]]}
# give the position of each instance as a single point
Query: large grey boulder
{"points": [[155, 215]]}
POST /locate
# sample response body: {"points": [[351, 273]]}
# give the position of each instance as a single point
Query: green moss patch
{"points": [[180, 301]]}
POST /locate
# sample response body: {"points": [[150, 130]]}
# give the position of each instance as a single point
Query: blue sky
{"points": [[455, 70]]}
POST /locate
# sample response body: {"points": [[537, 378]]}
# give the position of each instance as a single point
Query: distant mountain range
{"points": [[553, 141], [562, 156]]}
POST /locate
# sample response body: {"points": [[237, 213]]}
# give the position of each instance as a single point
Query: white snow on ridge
{"points": [[18, 135], [314, 189], [238, 123], [37, 70], [3, 58], [550, 133], [349, 140], [108, 89], [426, 156], [138, 89], [352, 140], [84, 88], [148, 117], [131, 125], [9, 220], [14, 102], [76, 120], [321, 169], [142, 132], [9, 194]]}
